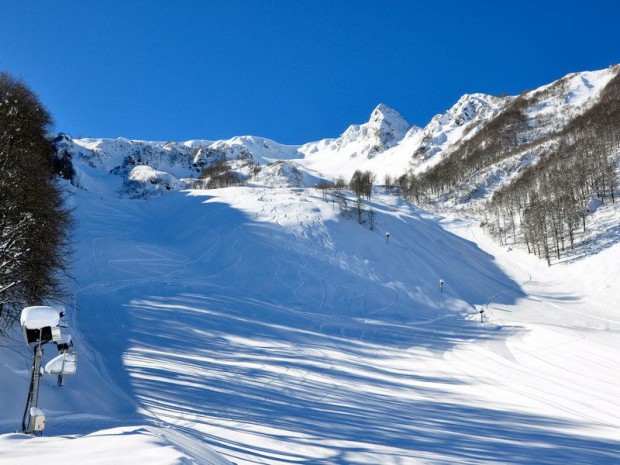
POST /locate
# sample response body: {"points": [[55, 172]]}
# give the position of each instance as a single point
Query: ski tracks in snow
{"points": [[261, 339]]}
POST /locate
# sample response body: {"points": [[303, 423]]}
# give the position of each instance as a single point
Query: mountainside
{"points": [[367, 145], [259, 325], [540, 168], [512, 162], [497, 137], [465, 119], [525, 130]]}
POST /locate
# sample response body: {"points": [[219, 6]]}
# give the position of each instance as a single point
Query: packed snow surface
{"points": [[256, 325]]}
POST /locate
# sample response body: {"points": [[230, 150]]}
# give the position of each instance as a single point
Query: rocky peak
{"points": [[470, 106], [385, 120], [385, 128]]}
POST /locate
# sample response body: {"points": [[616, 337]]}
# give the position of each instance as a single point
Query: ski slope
{"points": [[256, 325]]}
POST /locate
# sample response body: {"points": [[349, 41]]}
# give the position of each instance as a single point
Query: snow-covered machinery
{"points": [[65, 363], [37, 420], [40, 325]]}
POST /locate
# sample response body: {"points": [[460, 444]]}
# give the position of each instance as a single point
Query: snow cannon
{"points": [[65, 363], [40, 324], [65, 343]]}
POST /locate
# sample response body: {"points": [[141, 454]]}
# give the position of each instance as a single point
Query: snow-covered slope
{"points": [[542, 114], [123, 445], [258, 324], [464, 119], [367, 146], [144, 168]]}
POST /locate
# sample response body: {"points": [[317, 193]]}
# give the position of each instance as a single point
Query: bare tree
{"points": [[361, 183], [34, 224]]}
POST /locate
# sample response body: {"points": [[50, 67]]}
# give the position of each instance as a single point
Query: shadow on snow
{"points": [[219, 320]]}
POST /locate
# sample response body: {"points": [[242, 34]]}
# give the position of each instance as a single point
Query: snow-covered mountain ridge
{"points": [[386, 145], [528, 129], [468, 115]]}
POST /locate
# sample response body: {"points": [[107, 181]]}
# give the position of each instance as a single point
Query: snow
{"points": [[152, 181], [579, 89], [135, 445], [39, 317], [256, 325], [380, 145], [280, 174], [461, 122], [63, 364]]}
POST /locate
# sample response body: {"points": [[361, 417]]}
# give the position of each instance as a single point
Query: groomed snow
{"points": [[257, 324]]}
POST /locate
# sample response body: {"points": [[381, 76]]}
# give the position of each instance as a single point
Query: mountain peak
{"points": [[388, 126], [385, 115]]}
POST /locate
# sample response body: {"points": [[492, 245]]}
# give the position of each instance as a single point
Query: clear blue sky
{"points": [[290, 70]]}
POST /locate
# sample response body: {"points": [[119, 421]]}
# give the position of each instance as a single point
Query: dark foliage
{"points": [[63, 165], [34, 224]]}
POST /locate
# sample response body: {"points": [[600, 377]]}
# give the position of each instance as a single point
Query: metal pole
{"points": [[33, 398], [38, 354]]}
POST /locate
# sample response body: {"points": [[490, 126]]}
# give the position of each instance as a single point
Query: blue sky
{"points": [[290, 70]]}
